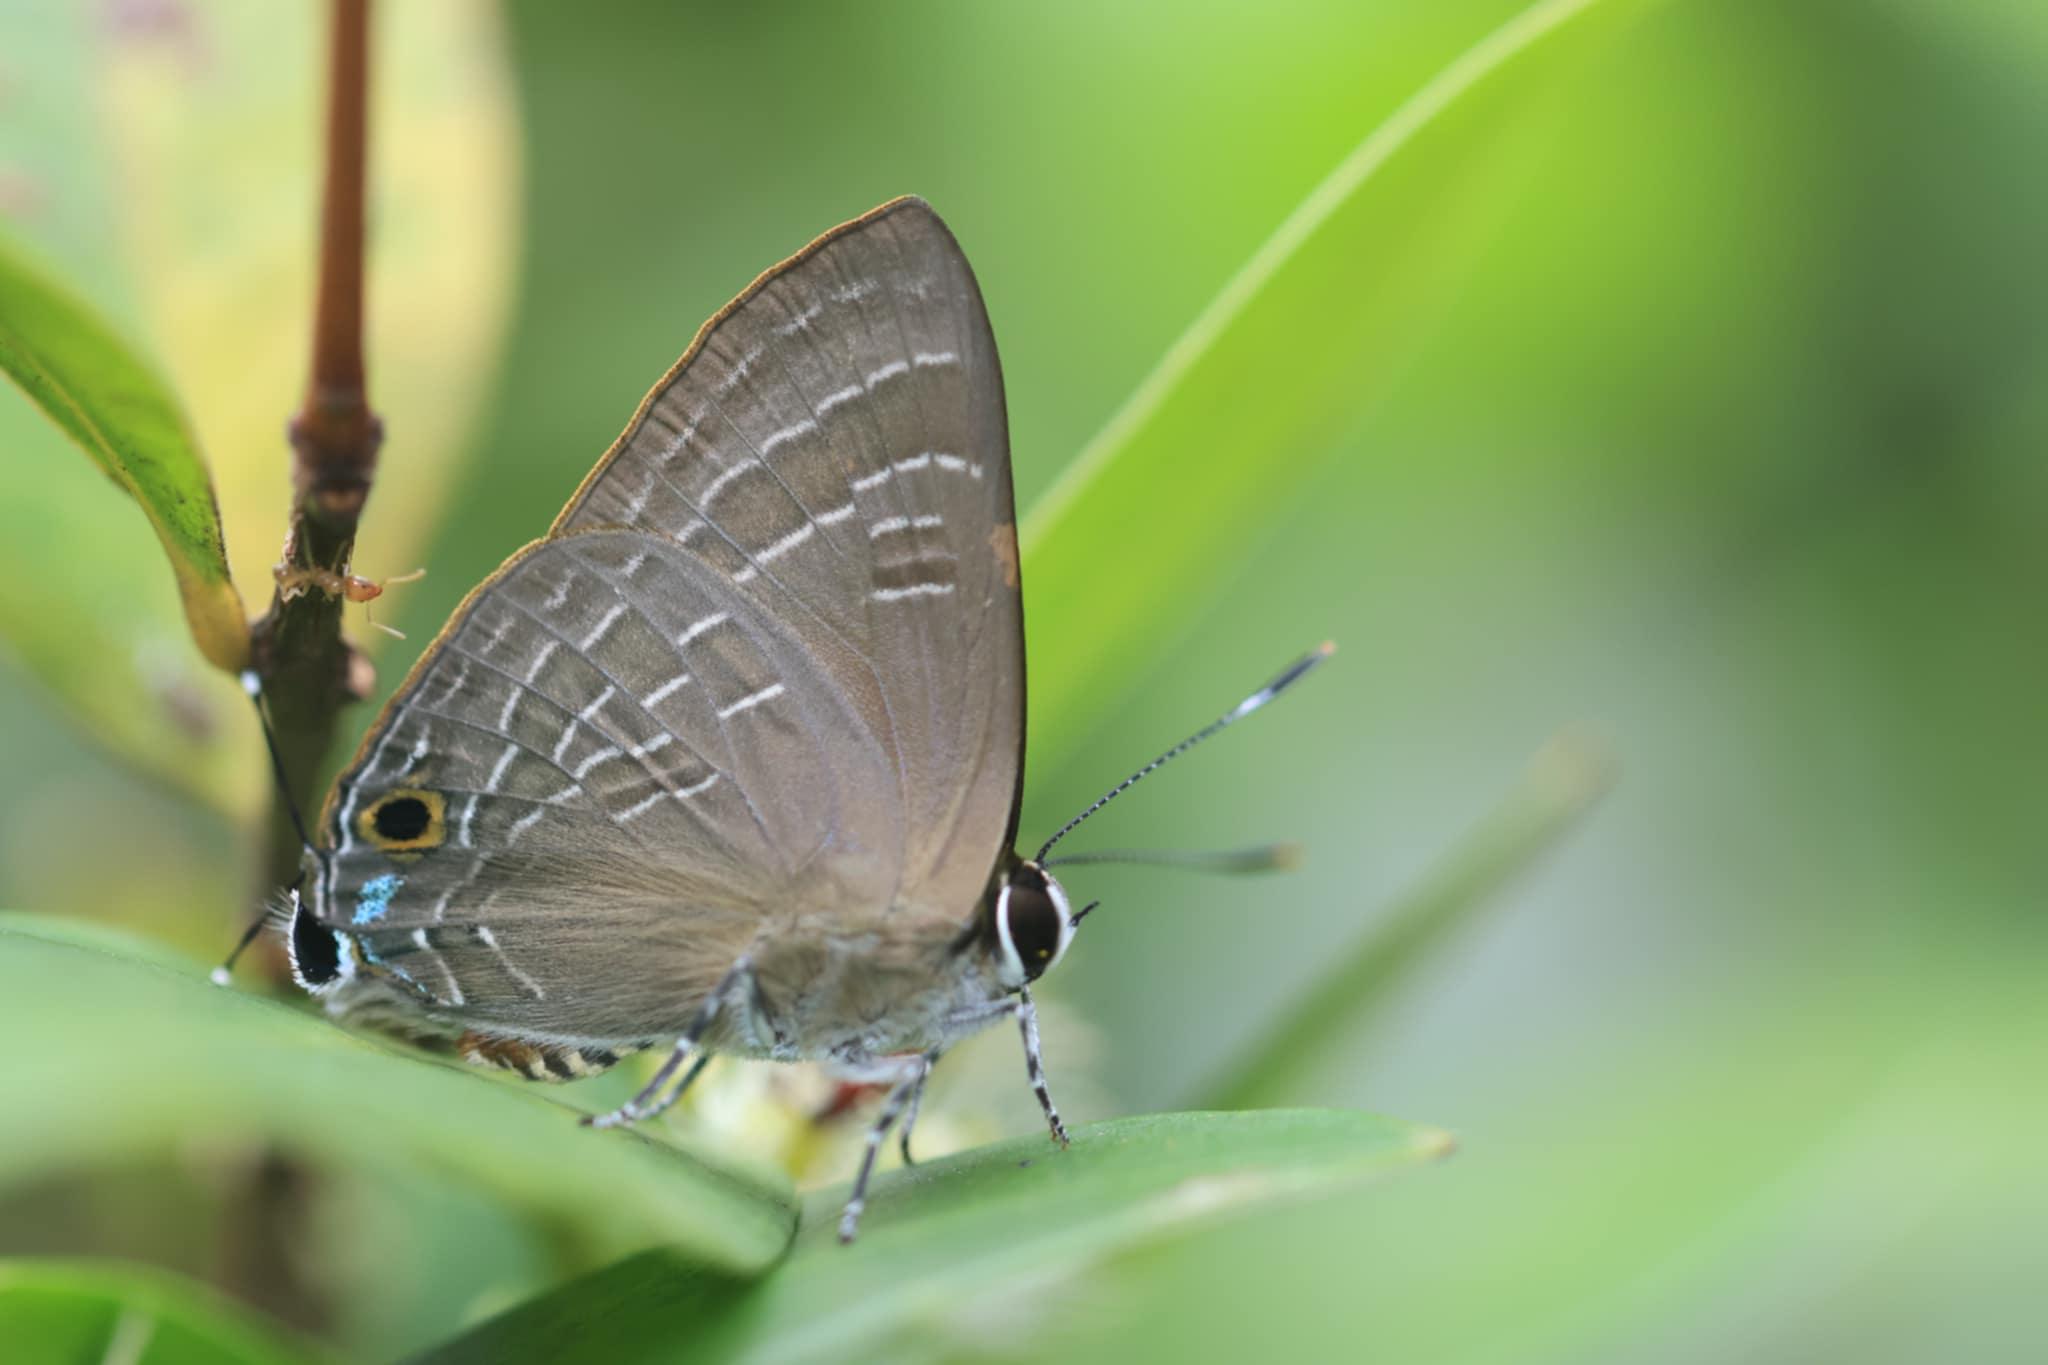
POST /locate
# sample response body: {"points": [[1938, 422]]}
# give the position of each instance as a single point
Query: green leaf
{"points": [[1563, 781], [113, 405], [980, 1230], [1239, 412], [111, 1311], [137, 1055]]}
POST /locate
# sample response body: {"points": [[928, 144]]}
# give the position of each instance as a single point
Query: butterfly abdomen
{"points": [[535, 1061]]}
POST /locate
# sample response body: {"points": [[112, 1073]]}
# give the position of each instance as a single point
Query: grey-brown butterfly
{"points": [[730, 761]]}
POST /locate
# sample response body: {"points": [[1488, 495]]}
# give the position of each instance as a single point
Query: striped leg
{"points": [[909, 1086], [1034, 1065], [651, 1101], [931, 1059]]}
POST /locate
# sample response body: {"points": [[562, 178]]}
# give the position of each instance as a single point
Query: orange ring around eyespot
{"points": [[429, 838]]}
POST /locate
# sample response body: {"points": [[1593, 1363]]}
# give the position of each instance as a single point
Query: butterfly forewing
{"points": [[768, 663], [836, 442]]}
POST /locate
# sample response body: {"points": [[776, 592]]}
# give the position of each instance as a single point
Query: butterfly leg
{"points": [[892, 1108], [931, 1059], [1034, 1065], [651, 1100]]}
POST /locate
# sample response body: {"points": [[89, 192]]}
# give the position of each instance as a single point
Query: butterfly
{"points": [[731, 760]]}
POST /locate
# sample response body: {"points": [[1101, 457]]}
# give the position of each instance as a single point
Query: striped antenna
{"points": [[1289, 676], [1281, 857]]}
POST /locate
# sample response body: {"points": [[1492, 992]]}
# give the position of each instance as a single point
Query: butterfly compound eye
{"points": [[1033, 924]]}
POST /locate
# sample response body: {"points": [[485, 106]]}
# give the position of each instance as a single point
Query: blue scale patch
{"points": [[375, 897]]}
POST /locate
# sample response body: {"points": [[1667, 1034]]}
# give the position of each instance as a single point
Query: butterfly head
{"points": [[1034, 923]]}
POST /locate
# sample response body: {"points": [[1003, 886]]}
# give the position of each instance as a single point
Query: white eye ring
{"points": [[1011, 970]]}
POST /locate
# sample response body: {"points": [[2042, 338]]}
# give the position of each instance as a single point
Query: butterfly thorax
{"points": [[827, 990]]}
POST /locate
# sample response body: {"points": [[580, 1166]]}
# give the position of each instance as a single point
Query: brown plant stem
{"points": [[309, 672]]}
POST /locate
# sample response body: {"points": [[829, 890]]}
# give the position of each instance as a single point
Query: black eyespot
{"points": [[405, 824], [403, 819], [314, 952], [1034, 921]]}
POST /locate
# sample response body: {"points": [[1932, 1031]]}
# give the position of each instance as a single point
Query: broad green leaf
{"points": [[1563, 781], [1264, 383], [984, 1234], [138, 1056], [116, 1311], [119, 412]]}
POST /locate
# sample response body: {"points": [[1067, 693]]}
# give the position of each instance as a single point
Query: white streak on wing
{"points": [[560, 595], [540, 661], [637, 504], [652, 746], [717, 485], [495, 636], [604, 755], [640, 808], [911, 590], [524, 823], [922, 460], [604, 623], [738, 374], [490, 940], [930, 521], [632, 565], [751, 700], [462, 831], [511, 705], [855, 292], [680, 794], [419, 938], [419, 749], [929, 360], [750, 572], [667, 690], [677, 442], [583, 717], [835, 516], [498, 771], [801, 321], [696, 628], [888, 371], [839, 398], [778, 439], [788, 542]]}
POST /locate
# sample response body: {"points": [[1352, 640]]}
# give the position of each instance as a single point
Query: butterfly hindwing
{"points": [[625, 766]]}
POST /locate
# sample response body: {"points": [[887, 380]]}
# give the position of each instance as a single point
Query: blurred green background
{"points": [[1723, 439]]}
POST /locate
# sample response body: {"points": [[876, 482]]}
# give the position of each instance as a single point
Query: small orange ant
{"points": [[295, 579]]}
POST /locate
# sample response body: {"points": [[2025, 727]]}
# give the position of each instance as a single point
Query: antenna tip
{"points": [[1326, 648], [219, 976], [1286, 857]]}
